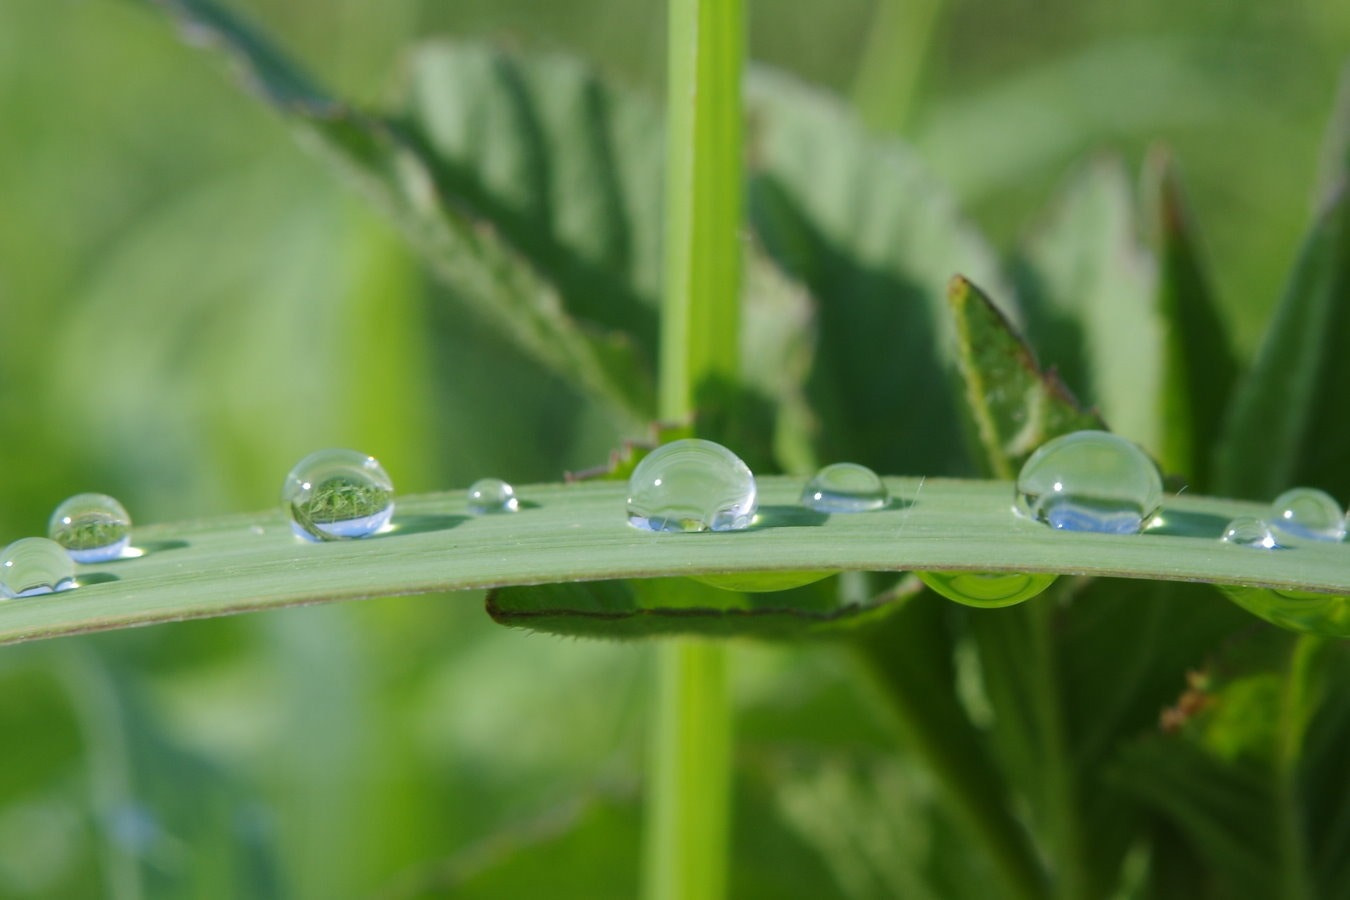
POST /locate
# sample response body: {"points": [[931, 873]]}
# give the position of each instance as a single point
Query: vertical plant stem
{"points": [[688, 803]]}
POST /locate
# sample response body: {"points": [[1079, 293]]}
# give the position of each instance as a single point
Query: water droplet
{"points": [[93, 528], [988, 590], [1308, 514], [691, 485], [1305, 611], [1249, 531], [335, 494], [845, 488], [1090, 481], [34, 565], [492, 495]]}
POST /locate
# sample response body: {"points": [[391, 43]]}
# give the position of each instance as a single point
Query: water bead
{"points": [[1249, 531], [845, 488], [93, 528], [691, 485], [1303, 611], [1308, 514], [492, 495], [335, 494], [35, 565], [987, 590], [1090, 481]]}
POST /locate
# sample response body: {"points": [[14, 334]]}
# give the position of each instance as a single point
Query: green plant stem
{"points": [[689, 795]]}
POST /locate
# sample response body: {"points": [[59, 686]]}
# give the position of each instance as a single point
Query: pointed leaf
{"points": [[1287, 422], [1199, 367], [1016, 406]]}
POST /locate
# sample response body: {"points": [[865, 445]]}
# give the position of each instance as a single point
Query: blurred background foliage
{"points": [[189, 302]]}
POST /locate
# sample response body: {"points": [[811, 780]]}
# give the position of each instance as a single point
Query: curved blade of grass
{"points": [[578, 532]]}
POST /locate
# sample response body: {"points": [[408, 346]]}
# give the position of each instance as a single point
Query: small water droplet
{"points": [[34, 565], [335, 494], [1249, 531], [691, 485], [93, 528], [492, 495], [1308, 514], [988, 590], [1090, 481], [845, 488]]}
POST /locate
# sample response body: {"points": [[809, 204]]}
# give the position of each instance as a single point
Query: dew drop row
{"points": [[1088, 481]]}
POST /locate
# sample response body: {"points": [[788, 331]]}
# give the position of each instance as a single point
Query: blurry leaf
{"points": [[1199, 368], [1016, 406], [1323, 779], [874, 238], [1047, 113], [464, 232], [1088, 288], [1287, 424], [1335, 169], [588, 847], [1223, 808], [621, 609], [911, 656]]}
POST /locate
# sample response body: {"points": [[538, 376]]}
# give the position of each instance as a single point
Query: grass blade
{"points": [[578, 532]]}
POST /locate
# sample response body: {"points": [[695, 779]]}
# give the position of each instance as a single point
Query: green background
{"points": [[189, 302]]}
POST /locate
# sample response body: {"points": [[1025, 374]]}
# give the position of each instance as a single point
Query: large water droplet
{"points": [[691, 485], [1324, 614], [1249, 531], [1090, 481], [988, 590], [336, 494], [93, 528], [34, 565], [845, 488], [492, 495], [1308, 514]]}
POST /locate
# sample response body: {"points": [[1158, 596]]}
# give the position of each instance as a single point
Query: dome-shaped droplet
{"points": [[845, 488], [691, 485], [1303, 611], [34, 565], [1308, 514], [336, 494], [93, 528], [988, 590], [492, 495], [1249, 531], [1090, 481]]}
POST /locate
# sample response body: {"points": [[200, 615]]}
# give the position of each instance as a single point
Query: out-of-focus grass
{"points": [[337, 750]]}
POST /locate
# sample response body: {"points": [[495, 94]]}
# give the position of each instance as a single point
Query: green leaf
{"points": [[448, 210], [1199, 367], [866, 229], [1016, 406], [578, 532], [1088, 287], [1286, 424], [1222, 808]]}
